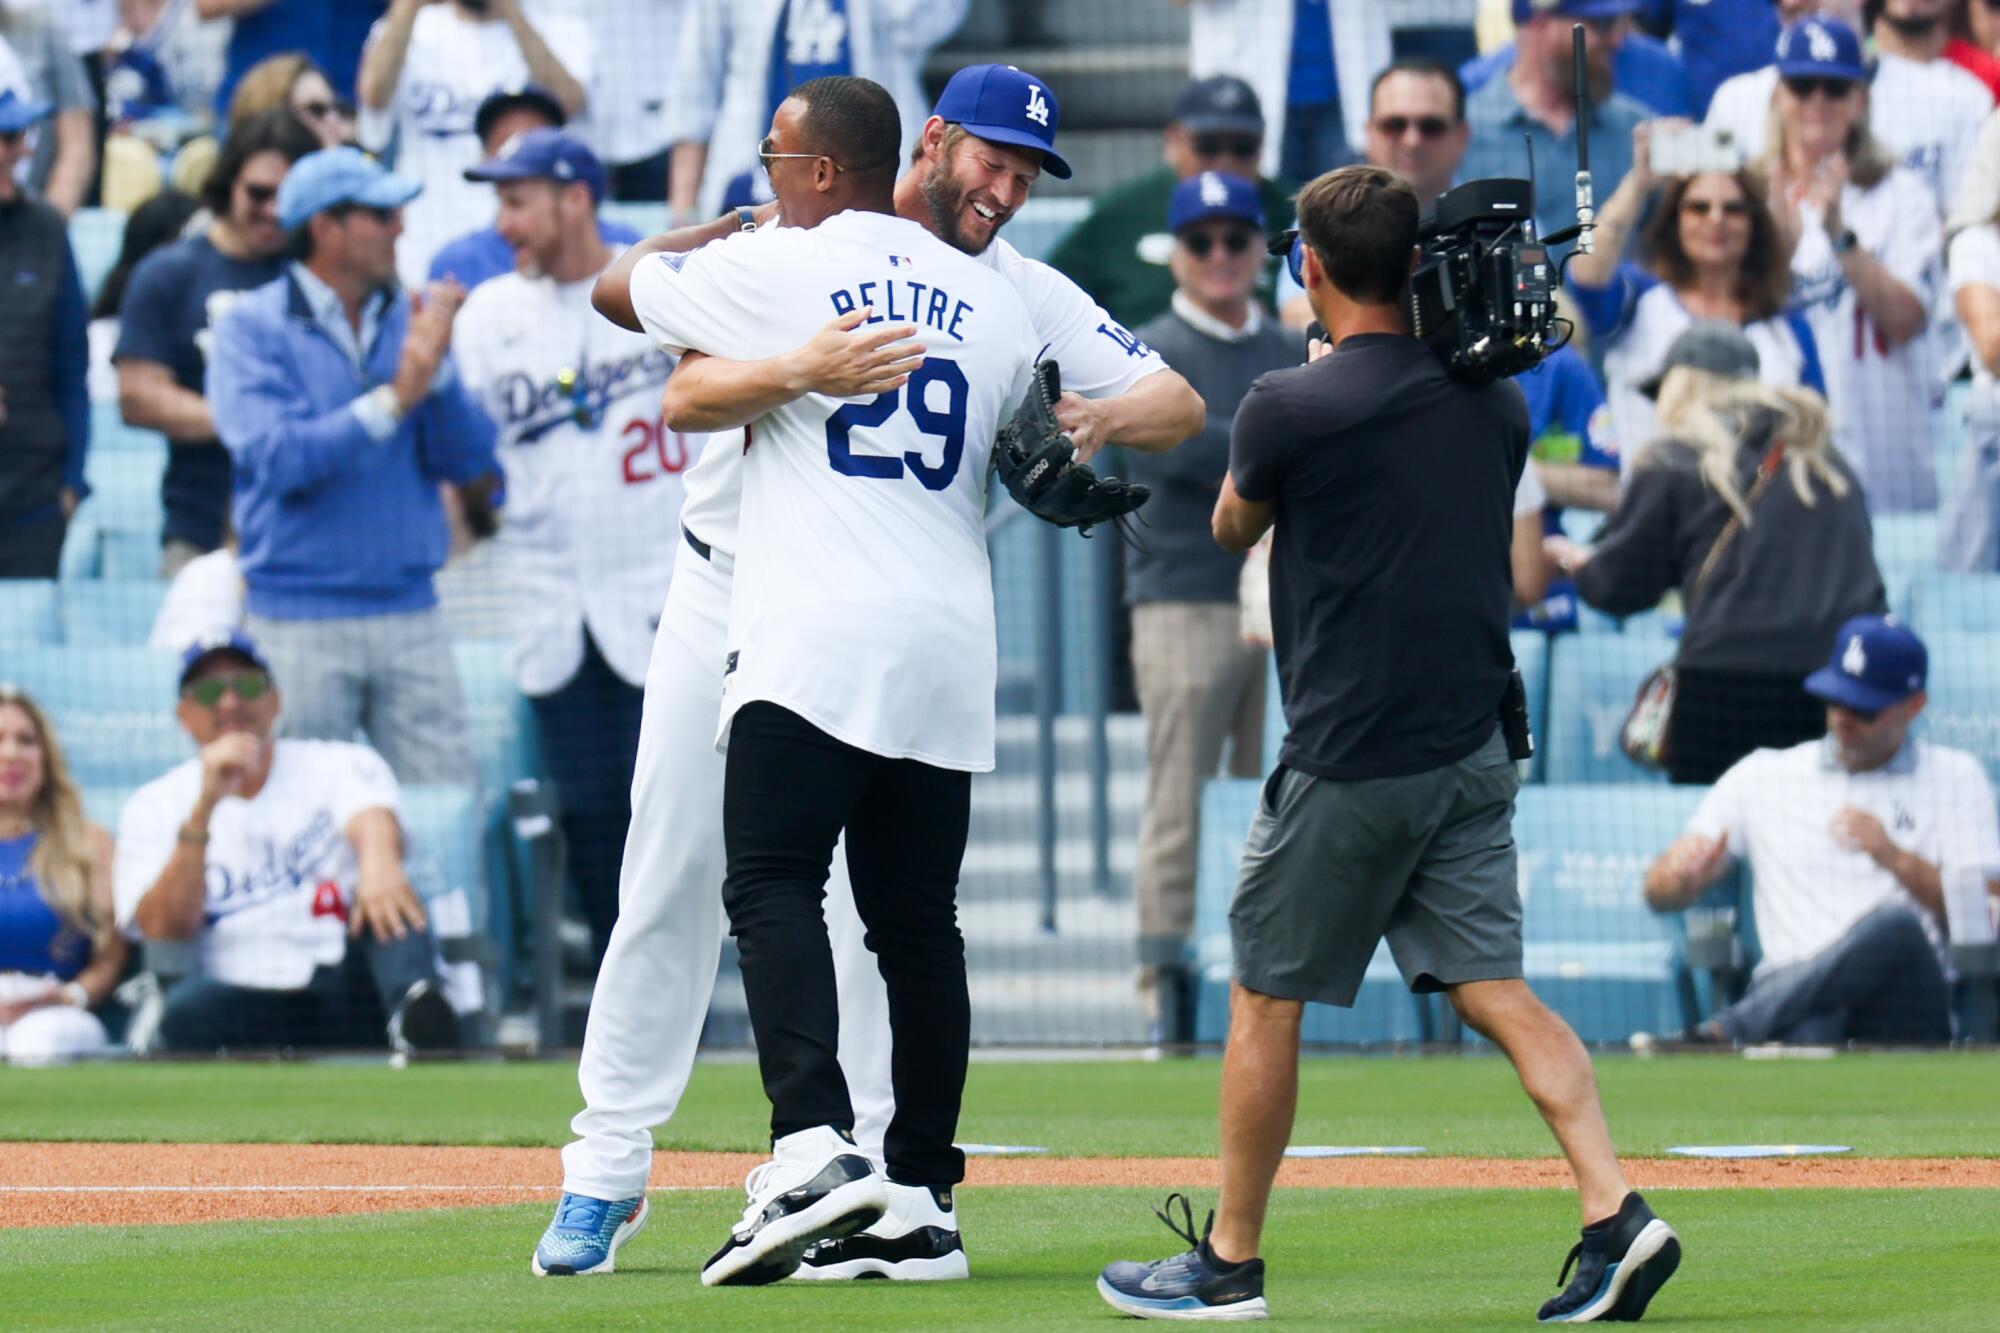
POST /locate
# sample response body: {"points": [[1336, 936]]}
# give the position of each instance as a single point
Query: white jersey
{"points": [[1884, 399], [453, 64], [862, 596], [1927, 114], [281, 872], [1099, 357], [1975, 261], [1774, 806], [587, 533]]}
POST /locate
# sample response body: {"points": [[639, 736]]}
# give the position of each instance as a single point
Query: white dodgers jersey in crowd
{"points": [[588, 530], [862, 598], [1099, 358], [281, 872], [454, 64]]}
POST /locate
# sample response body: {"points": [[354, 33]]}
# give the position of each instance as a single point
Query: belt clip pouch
{"points": [[1514, 718]]}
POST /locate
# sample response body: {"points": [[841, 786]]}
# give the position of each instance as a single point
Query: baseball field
{"points": [[352, 1194]]}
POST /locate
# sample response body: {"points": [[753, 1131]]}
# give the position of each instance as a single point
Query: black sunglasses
{"points": [[248, 686], [1730, 208], [383, 216], [13, 137], [1430, 127], [1864, 714], [260, 194], [1833, 90], [316, 110], [1199, 243], [1227, 145]]}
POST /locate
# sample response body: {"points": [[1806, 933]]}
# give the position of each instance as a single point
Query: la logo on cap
{"points": [[1820, 44], [1214, 193], [1855, 660]]}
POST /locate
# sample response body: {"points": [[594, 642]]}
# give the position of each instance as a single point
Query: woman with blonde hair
{"points": [[1744, 505], [292, 81], [60, 952]]}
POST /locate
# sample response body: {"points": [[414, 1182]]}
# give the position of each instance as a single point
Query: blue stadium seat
{"points": [[97, 613], [1592, 680], [1595, 953], [646, 219], [102, 805], [443, 823], [125, 489], [504, 740], [95, 234], [28, 615], [113, 709], [129, 554], [110, 435], [1964, 693], [1906, 545], [1942, 601]]}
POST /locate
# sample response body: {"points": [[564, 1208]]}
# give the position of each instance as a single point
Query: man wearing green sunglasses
{"points": [[281, 862]]}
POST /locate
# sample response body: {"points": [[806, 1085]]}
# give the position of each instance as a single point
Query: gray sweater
{"points": [[1181, 562], [1780, 592]]}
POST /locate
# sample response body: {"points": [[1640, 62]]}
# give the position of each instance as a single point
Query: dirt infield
{"points": [[123, 1184]]}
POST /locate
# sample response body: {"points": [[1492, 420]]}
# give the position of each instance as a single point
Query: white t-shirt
{"points": [[1098, 356], [452, 65], [1775, 806], [862, 596], [1974, 258], [1927, 114], [1885, 401], [281, 873], [206, 595], [587, 531]]}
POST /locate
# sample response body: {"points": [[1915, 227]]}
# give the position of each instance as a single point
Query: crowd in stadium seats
{"points": [[215, 410]]}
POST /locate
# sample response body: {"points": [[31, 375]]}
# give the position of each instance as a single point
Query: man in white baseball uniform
{"points": [[975, 163], [593, 488]]}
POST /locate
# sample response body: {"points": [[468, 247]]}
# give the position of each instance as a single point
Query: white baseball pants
{"points": [[658, 974]]}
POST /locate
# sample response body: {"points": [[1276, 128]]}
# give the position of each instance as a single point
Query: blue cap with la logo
{"points": [[1214, 194], [1006, 105], [1876, 662], [1820, 46]]}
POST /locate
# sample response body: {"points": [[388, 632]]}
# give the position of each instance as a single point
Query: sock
{"points": [[1216, 1261]]}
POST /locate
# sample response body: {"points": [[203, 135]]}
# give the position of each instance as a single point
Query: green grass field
{"points": [[1825, 1259]]}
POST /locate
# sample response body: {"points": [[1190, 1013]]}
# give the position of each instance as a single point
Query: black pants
{"points": [[590, 739], [31, 547], [1720, 716], [345, 1006], [1880, 983], [789, 790]]}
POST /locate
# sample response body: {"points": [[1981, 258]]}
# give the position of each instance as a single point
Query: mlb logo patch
{"points": [[901, 261]]}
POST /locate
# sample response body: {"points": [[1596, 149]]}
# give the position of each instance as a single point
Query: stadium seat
{"points": [[646, 219], [125, 489], [96, 613], [102, 805], [1592, 680], [113, 709], [1595, 953], [129, 554], [95, 235], [503, 726], [28, 615], [1964, 694], [1941, 601], [443, 823], [1906, 545], [109, 435]]}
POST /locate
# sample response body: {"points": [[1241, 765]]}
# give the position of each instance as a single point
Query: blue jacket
{"points": [[332, 521]]}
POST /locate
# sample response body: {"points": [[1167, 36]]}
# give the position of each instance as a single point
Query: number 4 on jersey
{"points": [[948, 425]]}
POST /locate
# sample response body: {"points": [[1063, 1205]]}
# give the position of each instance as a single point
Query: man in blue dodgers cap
{"points": [[335, 394], [1200, 684], [1119, 252], [281, 863], [1861, 846], [44, 355]]}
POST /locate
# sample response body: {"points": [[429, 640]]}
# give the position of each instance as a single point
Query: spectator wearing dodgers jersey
{"points": [[281, 861], [593, 490], [424, 72], [1854, 844]]}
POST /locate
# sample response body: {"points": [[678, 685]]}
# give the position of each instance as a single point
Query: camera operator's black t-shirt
{"points": [[1391, 589]]}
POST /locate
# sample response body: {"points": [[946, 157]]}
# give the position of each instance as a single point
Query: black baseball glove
{"points": [[1038, 464]]}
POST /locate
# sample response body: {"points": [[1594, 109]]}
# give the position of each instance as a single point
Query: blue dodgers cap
{"points": [[17, 113], [1214, 194], [221, 641], [543, 154], [1876, 663], [1223, 102], [1007, 105], [334, 176], [1820, 46], [1574, 9]]}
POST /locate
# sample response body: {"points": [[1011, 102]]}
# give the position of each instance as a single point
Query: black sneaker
{"points": [[1194, 1285], [424, 1021], [1620, 1263]]}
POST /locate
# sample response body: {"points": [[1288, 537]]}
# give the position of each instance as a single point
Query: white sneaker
{"points": [[817, 1185], [916, 1241]]}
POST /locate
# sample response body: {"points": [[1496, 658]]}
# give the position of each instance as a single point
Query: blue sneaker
{"points": [[586, 1233], [1193, 1285], [1620, 1263]]}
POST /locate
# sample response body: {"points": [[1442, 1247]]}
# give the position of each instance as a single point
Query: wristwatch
{"points": [[1845, 240], [746, 219]]}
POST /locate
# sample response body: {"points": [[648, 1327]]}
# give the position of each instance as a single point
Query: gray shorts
{"points": [[1330, 868]]}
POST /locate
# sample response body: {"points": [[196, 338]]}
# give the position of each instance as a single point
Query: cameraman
{"points": [[1390, 811]]}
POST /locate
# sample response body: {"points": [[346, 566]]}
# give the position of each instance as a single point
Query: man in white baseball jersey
{"points": [[281, 861], [593, 490], [858, 687], [974, 167]]}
